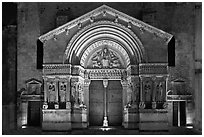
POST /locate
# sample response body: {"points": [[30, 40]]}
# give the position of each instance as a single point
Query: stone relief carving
{"points": [[81, 94], [62, 91], [147, 91], [105, 58], [77, 93], [160, 91], [51, 91]]}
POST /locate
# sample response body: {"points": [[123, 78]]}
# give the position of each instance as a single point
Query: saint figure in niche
{"points": [[147, 91], [62, 91], [51, 92], [159, 92]]}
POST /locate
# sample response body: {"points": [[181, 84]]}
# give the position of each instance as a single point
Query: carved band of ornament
{"points": [[99, 23], [105, 73], [153, 69], [56, 66]]}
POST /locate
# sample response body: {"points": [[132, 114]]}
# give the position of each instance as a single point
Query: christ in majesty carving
{"points": [[105, 59]]}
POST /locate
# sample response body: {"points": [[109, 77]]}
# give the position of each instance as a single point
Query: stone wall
{"points": [[9, 78], [28, 33], [198, 67]]}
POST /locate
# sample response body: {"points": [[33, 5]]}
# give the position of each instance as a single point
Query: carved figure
{"points": [[51, 89], [105, 59], [159, 92], [63, 88], [147, 91], [73, 92]]}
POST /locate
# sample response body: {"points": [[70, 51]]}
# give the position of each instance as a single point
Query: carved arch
{"points": [[105, 30]]}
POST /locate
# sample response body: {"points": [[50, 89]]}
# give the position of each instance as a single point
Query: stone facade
{"points": [[183, 20]]}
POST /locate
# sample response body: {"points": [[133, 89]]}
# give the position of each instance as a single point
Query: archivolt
{"points": [[106, 30]]}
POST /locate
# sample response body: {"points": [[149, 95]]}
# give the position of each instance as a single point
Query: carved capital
{"points": [[87, 82]]}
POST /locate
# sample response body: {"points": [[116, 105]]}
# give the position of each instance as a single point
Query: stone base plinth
{"points": [[131, 118], [56, 120], [79, 118], [153, 120]]}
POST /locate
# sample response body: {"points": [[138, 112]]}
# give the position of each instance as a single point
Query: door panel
{"points": [[33, 113], [96, 103], [114, 91], [114, 103]]}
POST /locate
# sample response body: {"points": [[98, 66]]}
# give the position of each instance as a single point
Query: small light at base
{"points": [[189, 126], [105, 128], [24, 126]]}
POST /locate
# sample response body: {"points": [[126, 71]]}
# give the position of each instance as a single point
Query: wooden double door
{"points": [[113, 101]]}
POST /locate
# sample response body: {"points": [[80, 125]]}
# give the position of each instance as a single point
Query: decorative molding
{"points": [[31, 97], [97, 27], [179, 97], [153, 68], [107, 10], [105, 73], [62, 70], [56, 69]]}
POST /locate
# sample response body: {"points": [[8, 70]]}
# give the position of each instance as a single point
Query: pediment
{"points": [[105, 11], [33, 81]]}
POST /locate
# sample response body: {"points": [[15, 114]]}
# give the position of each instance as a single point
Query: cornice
{"points": [[108, 10]]}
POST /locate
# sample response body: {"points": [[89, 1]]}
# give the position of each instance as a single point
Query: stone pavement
{"points": [[99, 131]]}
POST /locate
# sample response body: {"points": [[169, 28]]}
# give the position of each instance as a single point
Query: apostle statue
{"points": [[147, 91], [51, 89]]}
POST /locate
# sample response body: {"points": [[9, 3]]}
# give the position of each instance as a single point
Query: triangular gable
{"points": [[104, 9], [33, 81]]}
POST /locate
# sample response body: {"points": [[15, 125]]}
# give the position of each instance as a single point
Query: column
{"points": [[45, 104], [86, 96], [45, 89], [142, 104], [124, 84], [56, 93], [68, 93], [105, 120]]}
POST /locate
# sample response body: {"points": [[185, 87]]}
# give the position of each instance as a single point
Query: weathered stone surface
{"points": [[9, 91], [153, 120], [59, 120], [28, 33], [79, 118]]}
